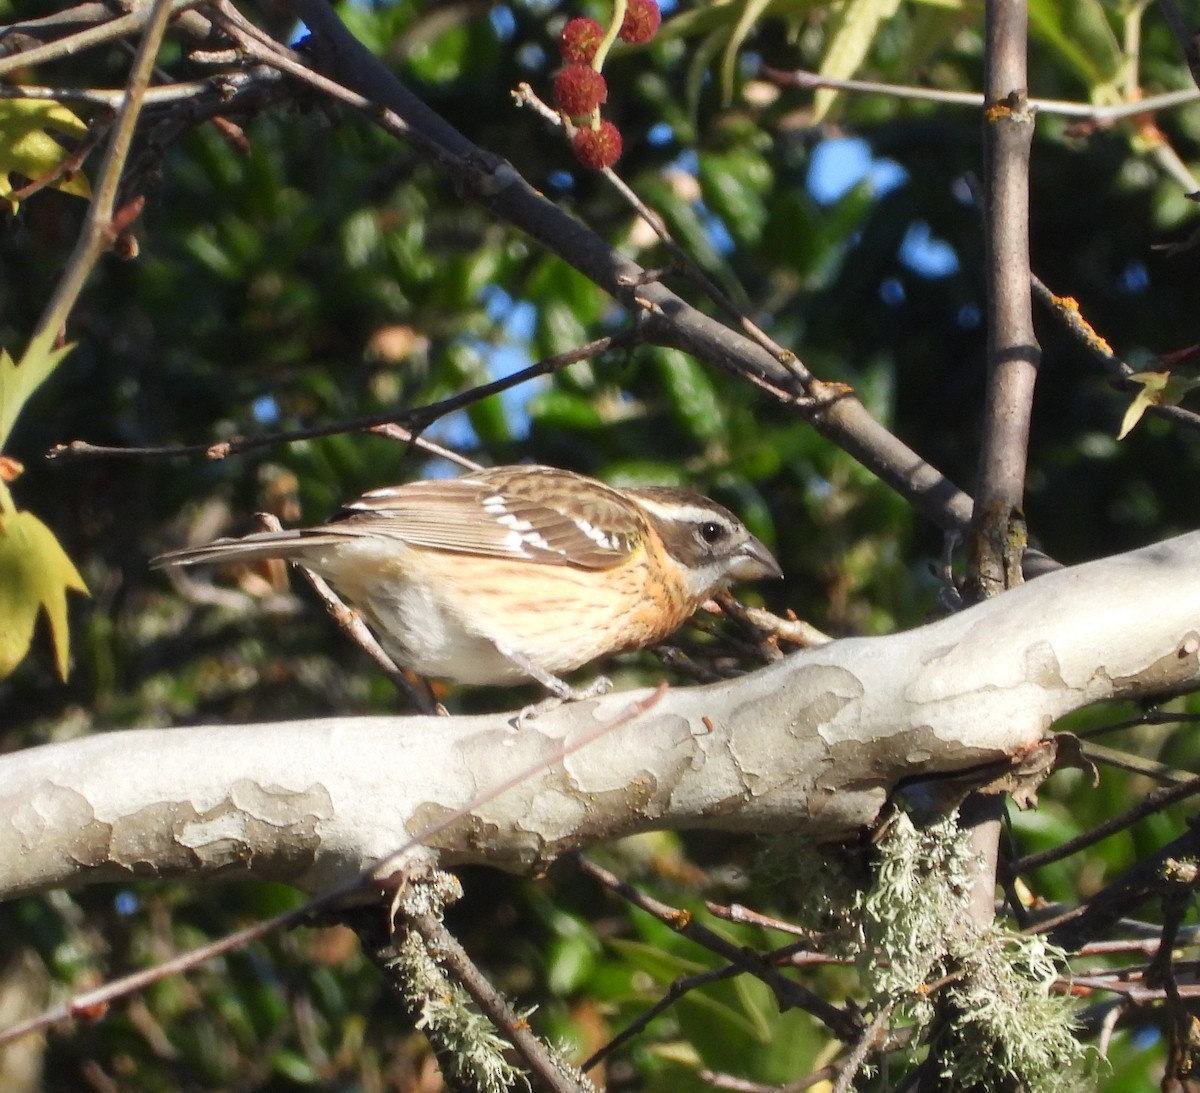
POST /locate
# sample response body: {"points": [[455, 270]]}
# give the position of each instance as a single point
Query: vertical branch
{"points": [[998, 531], [997, 539]]}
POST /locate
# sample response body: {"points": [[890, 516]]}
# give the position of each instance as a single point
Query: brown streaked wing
{"points": [[538, 514]]}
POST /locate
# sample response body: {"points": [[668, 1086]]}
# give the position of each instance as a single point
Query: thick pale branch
{"points": [[814, 743]]}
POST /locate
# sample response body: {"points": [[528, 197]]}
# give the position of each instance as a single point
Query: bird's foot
{"points": [[563, 693]]}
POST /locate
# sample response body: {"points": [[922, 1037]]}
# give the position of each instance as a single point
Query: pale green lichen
{"points": [[469, 1050], [1002, 1027], [1009, 1028], [824, 889]]}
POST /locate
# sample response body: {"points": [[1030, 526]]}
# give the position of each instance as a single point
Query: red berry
{"points": [[597, 148], [580, 39], [578, 90], [642, 18]]}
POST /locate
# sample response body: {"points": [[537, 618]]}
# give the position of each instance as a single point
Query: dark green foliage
{"points": [[331, 273]]}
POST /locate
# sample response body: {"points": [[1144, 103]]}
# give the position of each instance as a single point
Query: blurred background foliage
{"points": [[326, 272]]}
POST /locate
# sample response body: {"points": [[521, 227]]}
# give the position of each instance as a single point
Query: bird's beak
{"points": [[754, 562]]}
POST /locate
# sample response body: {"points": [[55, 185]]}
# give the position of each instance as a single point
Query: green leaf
{"points": [[734, 187], [35, 575], [693, 396], [1079, 31], [567, 304], [855, 26], [751, 12], [570, 963], [20, 379], [489, 420], [558, 409], [27, 148], [660, 965]]}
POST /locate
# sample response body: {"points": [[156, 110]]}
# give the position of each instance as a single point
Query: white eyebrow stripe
{"points": [[682, 511]]}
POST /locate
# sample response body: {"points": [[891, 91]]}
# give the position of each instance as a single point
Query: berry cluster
{"points": [[580, 89]]}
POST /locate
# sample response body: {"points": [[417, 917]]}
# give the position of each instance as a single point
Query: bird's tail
{"points": [[249, 548]]}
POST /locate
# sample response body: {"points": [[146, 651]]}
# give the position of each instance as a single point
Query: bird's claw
{"points": [[599, 686]]}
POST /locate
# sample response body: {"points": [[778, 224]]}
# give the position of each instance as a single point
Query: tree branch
{"points": [[998, 530], [666, 319], [814, 744]]}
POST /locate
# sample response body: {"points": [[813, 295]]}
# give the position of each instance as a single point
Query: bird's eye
{"points": [[712, 532]]}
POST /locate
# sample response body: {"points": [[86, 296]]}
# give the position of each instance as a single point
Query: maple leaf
{"points": [[35, 572], [1156, 389], [35, 576], [27, 148]]}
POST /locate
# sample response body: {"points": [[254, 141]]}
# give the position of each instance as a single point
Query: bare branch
{"points": [[96, 235], [367, 878], [1100, 113], [843, 1023], [667, 319], [551, 1072], [95, 35], [412, 420], [998, 534]]}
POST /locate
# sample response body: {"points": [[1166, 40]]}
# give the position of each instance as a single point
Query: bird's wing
{"points": [[528, 513]]}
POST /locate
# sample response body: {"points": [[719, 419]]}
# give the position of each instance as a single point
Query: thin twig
{"points": [[1136, 764], [406, 436], [97, 131], [96, 235], [692, 270], [792, 630], [351, 624], [72, 44], [857, 1056], [1148, 878], [678, 987], [1067, 310], [785, 956], [736, 912], [789, 994], [1187, 935], [415, 420], [741, 1085], [1095, 112], [1153, 802], [1148, 717], [222, 87]]}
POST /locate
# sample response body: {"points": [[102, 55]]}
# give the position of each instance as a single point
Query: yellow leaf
{"points": [[1157, 389], [18, 380], [35, 575], [855, 27], [27, 148]]}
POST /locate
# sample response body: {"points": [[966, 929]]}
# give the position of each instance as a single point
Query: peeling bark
{"points": [[813, 744]]}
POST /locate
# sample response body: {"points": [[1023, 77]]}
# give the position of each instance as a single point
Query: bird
{"points": [[514, 573]]}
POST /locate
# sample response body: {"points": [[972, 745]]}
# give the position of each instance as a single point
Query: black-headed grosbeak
{"points": [[515, 573]]}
